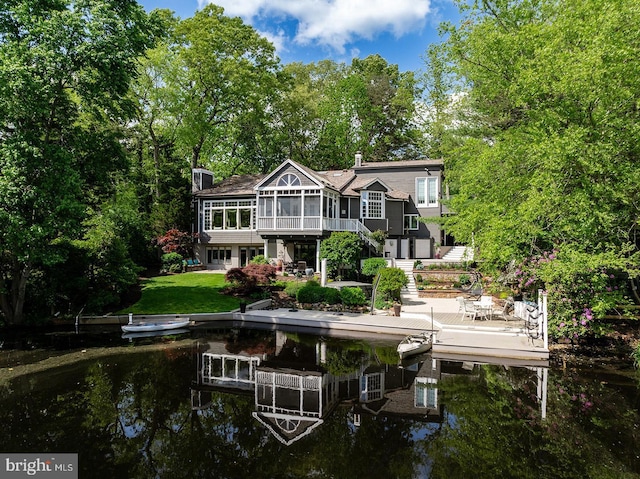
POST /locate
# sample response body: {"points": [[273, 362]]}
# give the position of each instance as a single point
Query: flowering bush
{"points": [[581, 289]]}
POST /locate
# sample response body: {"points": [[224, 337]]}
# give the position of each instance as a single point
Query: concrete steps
{"points": [[407, 266], [458, 254]]}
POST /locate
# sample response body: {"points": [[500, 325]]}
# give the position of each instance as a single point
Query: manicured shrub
{"points": [[331, 295], [240, 279], [293, 287], [353, 296], [262, 273], [171, 263], [259, 259], [371, 266], [312, 292]]}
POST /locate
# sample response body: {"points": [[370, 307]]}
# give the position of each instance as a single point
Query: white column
{"points": [[317, 255], [302, 195], [266, 248], [323, 273]]}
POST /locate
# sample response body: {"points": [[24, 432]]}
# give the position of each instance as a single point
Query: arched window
{"points": [[289, 179]]}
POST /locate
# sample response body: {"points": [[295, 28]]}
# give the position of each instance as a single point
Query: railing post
{"points": [[545, 320]]}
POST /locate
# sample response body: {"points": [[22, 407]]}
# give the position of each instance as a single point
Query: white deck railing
{"points": [[316, 223]]}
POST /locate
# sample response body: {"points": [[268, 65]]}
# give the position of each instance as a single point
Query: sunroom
{"points": [[292, 202]]}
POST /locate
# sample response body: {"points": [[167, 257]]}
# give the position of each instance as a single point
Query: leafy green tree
{"points": [[390, 284], [372, 266], [342, 250], [64, 74], [228, 72], [549, 151]]}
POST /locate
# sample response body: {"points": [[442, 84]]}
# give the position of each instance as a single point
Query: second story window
{"points": [[372, 203], [427, 191], [289, 179]]}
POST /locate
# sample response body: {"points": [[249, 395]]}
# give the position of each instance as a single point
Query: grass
{"points": [[184, 293]]}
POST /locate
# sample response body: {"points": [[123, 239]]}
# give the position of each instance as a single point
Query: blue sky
{"points": [[312, 30]]}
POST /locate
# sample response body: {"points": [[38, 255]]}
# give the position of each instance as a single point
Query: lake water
{"points": [[240, 403]]}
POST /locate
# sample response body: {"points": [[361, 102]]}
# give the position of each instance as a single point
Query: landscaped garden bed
{"points": [[443, 282]]}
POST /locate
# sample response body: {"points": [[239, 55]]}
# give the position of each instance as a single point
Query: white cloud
{"points": [[333, 23]]}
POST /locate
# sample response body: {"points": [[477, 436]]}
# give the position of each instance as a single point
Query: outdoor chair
{"points": [[505, 311], [468, 308], [484, 307]]}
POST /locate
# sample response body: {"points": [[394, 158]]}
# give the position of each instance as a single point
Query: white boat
{"points": [[146, 326], [415, 344], [155, 334]]}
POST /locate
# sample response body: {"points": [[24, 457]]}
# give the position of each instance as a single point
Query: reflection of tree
{"points": [[132, 417], [343, 362], [493, 429], [251, 342]]}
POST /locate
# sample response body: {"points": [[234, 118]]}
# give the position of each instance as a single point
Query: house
{"points": [[285, 214]]}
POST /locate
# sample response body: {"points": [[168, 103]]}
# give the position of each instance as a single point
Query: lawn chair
{"points": [[468, 308], [485, 306], [506, 310]]}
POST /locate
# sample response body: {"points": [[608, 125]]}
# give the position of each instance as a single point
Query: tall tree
{"points": [[550, 153], [334, 110], [229, 72], [64, 72]]}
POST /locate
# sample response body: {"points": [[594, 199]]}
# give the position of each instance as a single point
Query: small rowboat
{"points": [[147, 326], [155, 334], [415, 344]]}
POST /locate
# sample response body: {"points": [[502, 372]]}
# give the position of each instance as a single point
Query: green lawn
{"points": [[183, 294]]}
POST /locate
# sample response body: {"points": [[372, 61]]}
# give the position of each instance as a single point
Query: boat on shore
{"points": [[415, 344], [154, 326]]}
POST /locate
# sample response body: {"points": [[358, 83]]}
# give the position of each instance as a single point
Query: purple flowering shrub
{"points": [[581, 289]]}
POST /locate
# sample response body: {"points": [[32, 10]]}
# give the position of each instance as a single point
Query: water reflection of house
{"points": [[294, 392], [401, 391], [292, 403]]}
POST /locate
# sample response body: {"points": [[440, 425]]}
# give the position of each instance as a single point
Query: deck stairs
{"points": [[458, 254]]}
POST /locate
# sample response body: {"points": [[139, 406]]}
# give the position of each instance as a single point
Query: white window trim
{"points": [[365, 205], [289, 180], [427, 180], [416, 216], [221, 206]]}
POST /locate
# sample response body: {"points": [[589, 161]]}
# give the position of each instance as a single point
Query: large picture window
{"points": [[427, 191], [372, 204], [228, 215]]}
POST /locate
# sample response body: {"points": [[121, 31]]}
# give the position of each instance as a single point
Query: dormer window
{"points": [[288, 180]]}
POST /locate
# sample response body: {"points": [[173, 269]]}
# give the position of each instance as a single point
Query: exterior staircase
{"points": [[407, 266], [458, 254]]}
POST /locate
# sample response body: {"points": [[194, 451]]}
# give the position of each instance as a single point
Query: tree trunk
{"points": [[12, 301]]}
